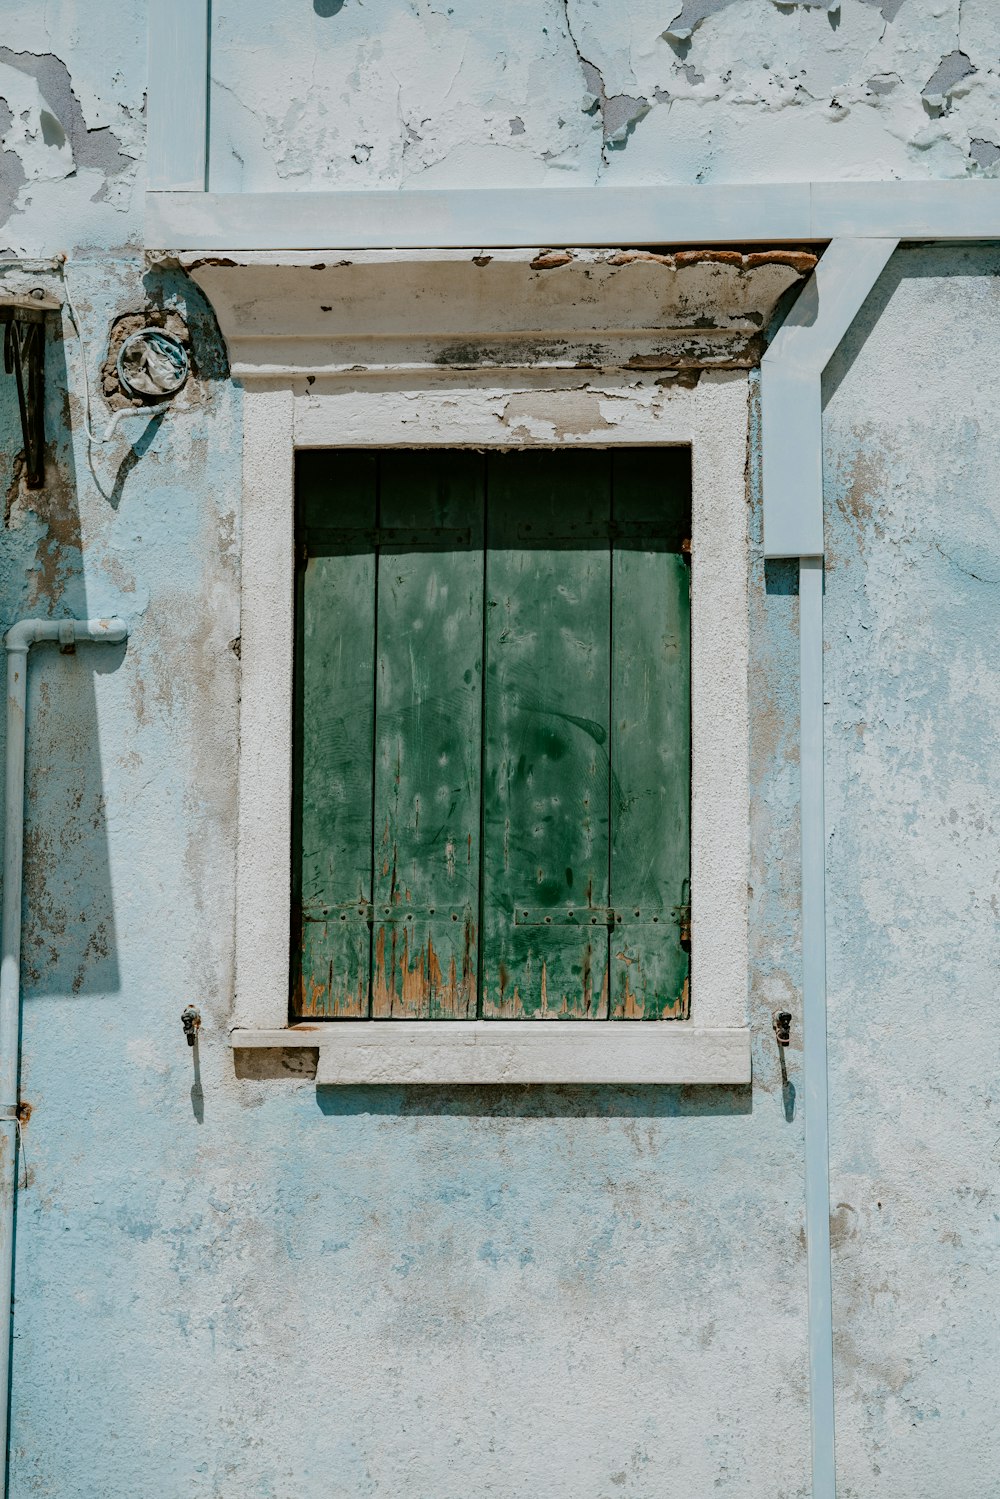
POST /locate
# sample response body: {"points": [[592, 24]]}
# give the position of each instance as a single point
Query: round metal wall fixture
{"points": [[152, 363]]}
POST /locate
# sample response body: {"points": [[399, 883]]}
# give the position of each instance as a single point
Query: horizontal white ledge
{"points": [[411, 218], [515, 1051]]}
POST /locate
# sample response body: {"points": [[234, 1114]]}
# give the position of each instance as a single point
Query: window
{"points": [[325, 426], [492, 735]]}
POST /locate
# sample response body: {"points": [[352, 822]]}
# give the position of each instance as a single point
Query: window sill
{"points": [[353, 1052]]}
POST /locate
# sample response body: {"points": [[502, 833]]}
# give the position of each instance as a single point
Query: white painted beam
{"points": [[959, 209], [770, 213], [791, 375], [177, 95], [516, 1051]]}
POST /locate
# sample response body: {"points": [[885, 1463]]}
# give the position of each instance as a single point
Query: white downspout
{"points": [[792, 453], [18, 641]]}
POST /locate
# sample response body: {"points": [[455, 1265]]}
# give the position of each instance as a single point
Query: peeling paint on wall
{"points": [[912, 592], [70, 151], [727, 90], [61, 119], [302, 1256]]}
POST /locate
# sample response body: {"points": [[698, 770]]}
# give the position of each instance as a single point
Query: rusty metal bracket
{"points": [[24, 318]]}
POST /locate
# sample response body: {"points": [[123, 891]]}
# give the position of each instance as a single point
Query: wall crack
{"points": [[620, 113]]}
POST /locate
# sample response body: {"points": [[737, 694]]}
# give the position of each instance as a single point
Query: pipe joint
{"points": [[22, 636], [67, 632]]}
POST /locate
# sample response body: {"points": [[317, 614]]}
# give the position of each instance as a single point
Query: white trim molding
{"points": [[646, 214], [394, 313], [791, 374], [498, 408], [177, 97], [514, 1051]]}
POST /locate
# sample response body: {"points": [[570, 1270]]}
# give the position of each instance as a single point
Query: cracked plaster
{"points": [[298, 1260], [719, 90], [71, 152]]}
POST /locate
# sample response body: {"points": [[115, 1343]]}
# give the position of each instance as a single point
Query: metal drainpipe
{"points": [[18, 641], [792, 452]]}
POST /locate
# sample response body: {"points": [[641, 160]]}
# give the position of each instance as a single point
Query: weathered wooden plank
{"points": [[650, 735], [335, 694], [428, 736], [546, 733]]}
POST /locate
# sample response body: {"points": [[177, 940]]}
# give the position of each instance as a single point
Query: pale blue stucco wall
{"points": [[450, 93], [261, 1288], [913, 514]]}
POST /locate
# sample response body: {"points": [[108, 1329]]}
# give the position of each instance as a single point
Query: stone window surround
{"points": [[289, 408]]}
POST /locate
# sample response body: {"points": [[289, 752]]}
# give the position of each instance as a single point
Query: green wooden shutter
{"points": [[650, 733], [428, 735], [335, 714], [513, 843], [546, 864]]}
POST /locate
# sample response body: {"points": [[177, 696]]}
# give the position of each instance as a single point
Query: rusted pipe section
{"points": [[18, 641]]}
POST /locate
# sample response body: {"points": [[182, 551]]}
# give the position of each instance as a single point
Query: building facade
{"points": [[335, 1263]]}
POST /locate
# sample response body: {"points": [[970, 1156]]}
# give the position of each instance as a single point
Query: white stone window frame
{"points": [[361, 352], [281, 416]]}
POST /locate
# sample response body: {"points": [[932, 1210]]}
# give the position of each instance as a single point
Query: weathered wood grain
{"points": [[335, 718], [546, 733], [428, 736], [650, 733], [511, 842]]}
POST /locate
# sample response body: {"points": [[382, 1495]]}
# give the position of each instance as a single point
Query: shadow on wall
{"points": [[943, 262], [781, 577], [69, 942], [533, 1101]]}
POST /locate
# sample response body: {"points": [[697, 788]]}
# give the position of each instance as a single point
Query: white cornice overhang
{"points": [[287, 315]]}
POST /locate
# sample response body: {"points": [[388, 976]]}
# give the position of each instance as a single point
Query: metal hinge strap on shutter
{"points": [[381, 914], [606, 916]]}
